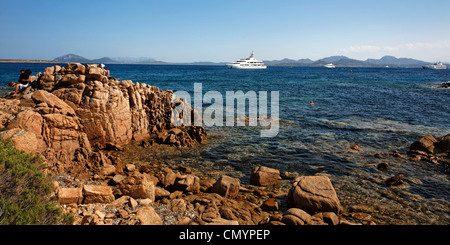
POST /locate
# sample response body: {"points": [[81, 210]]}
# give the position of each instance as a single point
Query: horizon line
{"points": [[205, 61]]}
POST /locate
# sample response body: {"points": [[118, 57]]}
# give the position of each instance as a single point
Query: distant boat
{"points": [[329, 66], [248, 63], [435, 66]]}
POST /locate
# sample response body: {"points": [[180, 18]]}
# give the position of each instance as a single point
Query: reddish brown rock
{"points": [[138, 186], [70, 195], [444, 143], [147, 216], [264, 176], [97, 194], [314, 194], [362, 216], [52, 101], [395, 180], [426, 143], [28, 120], [270, 204], [75, 68], [71, 79], [188, 182], [226, 186], [22, 140], [168, 177], [330, 218], [94, 73], [295, 216]]}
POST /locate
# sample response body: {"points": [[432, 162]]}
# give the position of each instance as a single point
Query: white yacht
{"points": [[436, 66], [329, 66], [248, 63]]}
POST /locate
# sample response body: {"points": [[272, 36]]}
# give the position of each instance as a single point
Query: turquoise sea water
{"points": [[381, 110]]}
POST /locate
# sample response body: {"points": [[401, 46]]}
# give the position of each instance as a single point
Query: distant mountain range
{"points": [[105, 60], [343, 61], [338, 61]]}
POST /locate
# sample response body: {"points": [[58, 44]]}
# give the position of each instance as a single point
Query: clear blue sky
{"points": [[225, 30]]}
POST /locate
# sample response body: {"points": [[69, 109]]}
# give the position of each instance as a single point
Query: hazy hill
{"points": [[393, 61], [343, 61], [331, 59], [105, 60], [340, 61], [72, 58], [289, 62]]}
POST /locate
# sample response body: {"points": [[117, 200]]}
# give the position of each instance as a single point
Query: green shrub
{"points": [[25, 190]]}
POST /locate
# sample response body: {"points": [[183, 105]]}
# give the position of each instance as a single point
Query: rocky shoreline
{"points": [[83, 123], [185, 196], [140, 195], [444, 85]]}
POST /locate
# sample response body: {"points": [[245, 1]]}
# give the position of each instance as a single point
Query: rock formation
{"points": [[72, 111], [431, 149]]}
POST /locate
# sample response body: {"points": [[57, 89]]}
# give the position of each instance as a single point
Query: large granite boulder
{"points": [[226, 186], [314, 194]]}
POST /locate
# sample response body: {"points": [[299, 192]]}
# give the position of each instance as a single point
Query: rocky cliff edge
{"points": [[72, 111]]}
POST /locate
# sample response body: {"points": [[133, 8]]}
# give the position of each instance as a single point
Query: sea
{"points": [[381, 110]]}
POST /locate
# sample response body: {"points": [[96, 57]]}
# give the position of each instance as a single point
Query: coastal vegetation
{"points": [[25, 191]]}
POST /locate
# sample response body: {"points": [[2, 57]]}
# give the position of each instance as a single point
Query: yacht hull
{"points": [[246, 67], [434, 68]]}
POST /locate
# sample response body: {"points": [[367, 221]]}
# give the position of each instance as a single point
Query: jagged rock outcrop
{"points": [[74, 109], [431, 149]]}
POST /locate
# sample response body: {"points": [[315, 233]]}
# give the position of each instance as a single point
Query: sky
{"points": [[225, 30]]}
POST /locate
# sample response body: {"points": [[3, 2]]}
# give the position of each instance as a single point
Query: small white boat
{"points": [[435, 66], [329, 66], [248, 63]]}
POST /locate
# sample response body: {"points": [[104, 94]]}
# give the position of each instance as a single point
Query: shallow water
{"points": [[380, 110]]}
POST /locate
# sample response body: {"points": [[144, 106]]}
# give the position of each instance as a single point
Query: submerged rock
{"points": [[383, 165], [426, 143], [395, 180], [431, 149]]}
